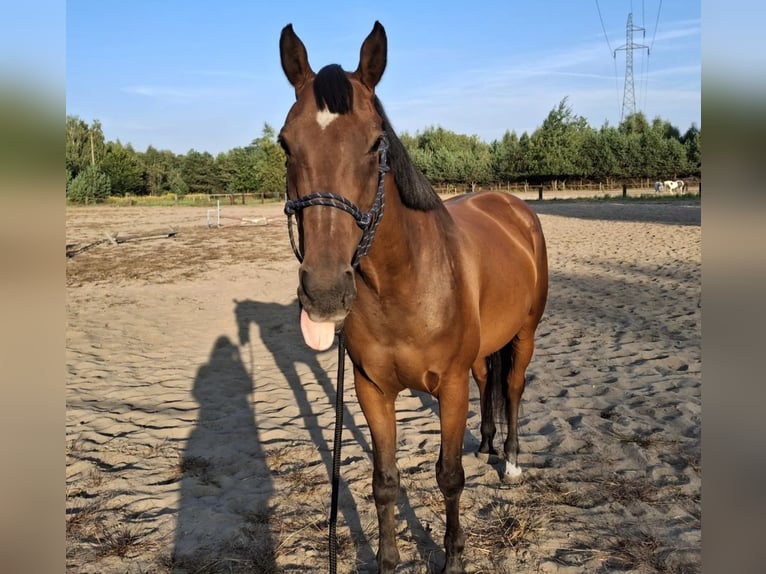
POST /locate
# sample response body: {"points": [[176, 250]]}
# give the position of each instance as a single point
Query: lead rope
{"points": [[336, 453]]}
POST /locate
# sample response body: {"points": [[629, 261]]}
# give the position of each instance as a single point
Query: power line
{"points": [[644, 64], [603, 27], [614, 58], [656, 23], [648, 52], [643, 13], [645, 87]]}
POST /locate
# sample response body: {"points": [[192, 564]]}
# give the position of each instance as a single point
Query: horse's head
{"points": [[335, 145]]}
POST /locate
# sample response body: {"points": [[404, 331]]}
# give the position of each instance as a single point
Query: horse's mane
{"points": [[415, 190], [333, 91]]}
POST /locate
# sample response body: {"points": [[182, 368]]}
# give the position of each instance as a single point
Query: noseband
{"points": [[367, 221]]}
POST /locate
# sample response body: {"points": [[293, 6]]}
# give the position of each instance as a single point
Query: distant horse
{"points": [[677, 187], [659, 187], [425, 291]]}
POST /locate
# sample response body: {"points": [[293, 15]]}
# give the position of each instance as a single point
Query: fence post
{"points": [[540, 193], [624, 190]]}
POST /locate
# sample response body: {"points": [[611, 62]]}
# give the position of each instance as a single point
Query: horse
{"points": [[675, 186], [659, 187], [425, 292]]}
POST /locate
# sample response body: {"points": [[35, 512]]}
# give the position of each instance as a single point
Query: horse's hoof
{"points": [[512, 473]]}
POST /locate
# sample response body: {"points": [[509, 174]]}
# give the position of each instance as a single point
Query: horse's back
{"points": [[503, 248], [496, 223], [472, 209]]}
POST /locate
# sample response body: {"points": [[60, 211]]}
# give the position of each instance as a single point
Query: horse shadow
{"points": [[278, 328], [224, 512]]}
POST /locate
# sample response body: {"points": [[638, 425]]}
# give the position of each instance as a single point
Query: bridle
{"points": [[366, 221]]}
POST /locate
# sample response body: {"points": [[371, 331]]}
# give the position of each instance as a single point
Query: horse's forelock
{"points": [[333, 91]]}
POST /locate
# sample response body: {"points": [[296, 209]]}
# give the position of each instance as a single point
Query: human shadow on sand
{"points": [[224, 512], [279, 332]]}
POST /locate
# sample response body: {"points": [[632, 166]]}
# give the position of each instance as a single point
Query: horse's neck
{"points": [[407, 243]]}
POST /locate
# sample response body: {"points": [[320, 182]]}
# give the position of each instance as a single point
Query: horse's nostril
{"points": [[305, 283]]}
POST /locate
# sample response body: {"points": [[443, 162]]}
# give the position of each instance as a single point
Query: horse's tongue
{"points": [[317, 334]]}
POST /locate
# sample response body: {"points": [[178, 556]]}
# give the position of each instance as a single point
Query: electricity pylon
{"points": [[629, 95]]}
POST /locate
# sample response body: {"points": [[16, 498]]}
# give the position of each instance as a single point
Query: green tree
{"points": [[423, 160], [692, 143], [505, 157], [525, 156], [605, 153], [674, 158], [124, 169], [446, 157], [84, 144], [269, 162], [198, 170], [239, 170], [176, 183], [91, 185], [159, 167], [556, 145], [635, 134]]}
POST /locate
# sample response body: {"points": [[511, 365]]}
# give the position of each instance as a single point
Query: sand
{"points": [[199, 426]]}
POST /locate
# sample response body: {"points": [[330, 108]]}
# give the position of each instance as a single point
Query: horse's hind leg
{"points": [[379, 411], [487, 428], [522, 349]]}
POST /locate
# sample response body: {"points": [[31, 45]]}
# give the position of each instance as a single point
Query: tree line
{"points": [[562, 149]]}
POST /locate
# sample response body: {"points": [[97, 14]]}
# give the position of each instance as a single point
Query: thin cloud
{"points": [[185, 95], [234, 74], [163, 93]]}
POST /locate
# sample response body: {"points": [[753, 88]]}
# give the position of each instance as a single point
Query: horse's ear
{"points": [[295, 61], [372, 57]]}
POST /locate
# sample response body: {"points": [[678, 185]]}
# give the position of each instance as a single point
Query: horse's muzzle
{"points": [[326, 296], [325, 300]]}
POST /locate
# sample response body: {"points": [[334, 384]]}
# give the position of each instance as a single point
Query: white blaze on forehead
{"points": [[325, 117]]}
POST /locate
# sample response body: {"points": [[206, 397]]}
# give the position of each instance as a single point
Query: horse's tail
{"points": [[496, 404]]}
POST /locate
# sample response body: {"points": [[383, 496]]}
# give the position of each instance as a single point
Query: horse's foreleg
{"points": [[379, 411], [453, 412], [523, 348]]}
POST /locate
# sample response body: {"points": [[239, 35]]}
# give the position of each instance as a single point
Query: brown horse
{"points": [[425, 291]]}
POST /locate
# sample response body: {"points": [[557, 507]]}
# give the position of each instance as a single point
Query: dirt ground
{"points": [[199, 426]]}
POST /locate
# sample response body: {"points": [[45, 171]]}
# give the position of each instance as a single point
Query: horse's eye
{"points": [[376, 146]]}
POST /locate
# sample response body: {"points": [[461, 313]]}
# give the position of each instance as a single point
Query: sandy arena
{"points": [[199, 426]]}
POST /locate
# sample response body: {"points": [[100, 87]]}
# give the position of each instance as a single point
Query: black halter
{"points": [[367, 221]]}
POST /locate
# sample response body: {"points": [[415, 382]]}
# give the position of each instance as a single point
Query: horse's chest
{"points": [[408, 341], [413, 363]]}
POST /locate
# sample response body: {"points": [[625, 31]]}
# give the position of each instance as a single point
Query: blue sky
{"points": [[184, 75]]}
